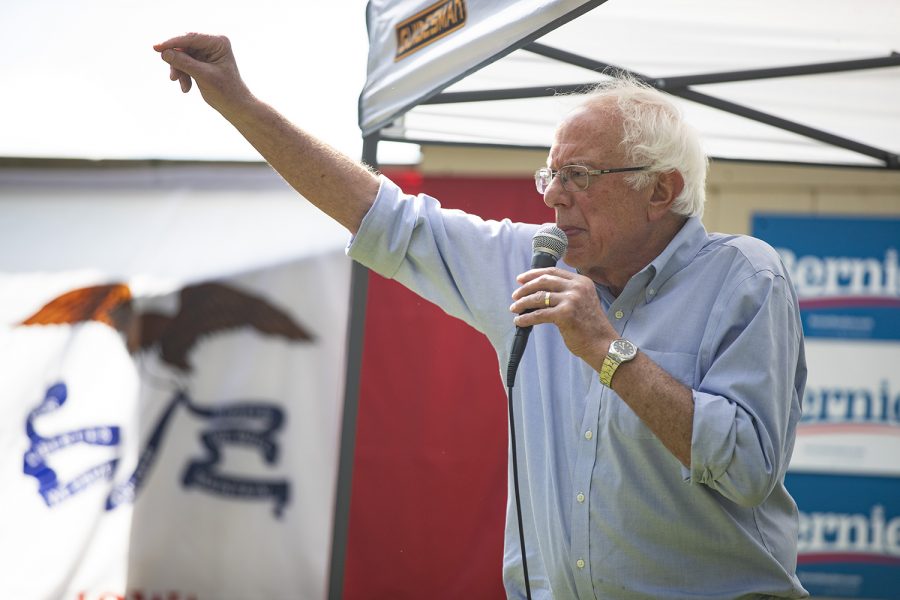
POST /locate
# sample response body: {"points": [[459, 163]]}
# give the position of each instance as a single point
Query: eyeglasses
{"points": [[574, 178]]}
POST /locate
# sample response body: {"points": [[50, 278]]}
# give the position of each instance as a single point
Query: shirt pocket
{"points": [[679, 365]]}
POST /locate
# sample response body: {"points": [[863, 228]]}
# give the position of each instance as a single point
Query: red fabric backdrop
{"points": [[429, 480]]}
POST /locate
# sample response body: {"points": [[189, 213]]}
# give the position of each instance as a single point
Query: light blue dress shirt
{"points": [[609, 512]]}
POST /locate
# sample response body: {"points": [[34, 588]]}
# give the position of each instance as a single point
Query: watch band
{"points": [[608, 369]]}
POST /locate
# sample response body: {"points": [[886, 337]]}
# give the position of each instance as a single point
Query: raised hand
{"points": [[339, 186], [209, 61]]}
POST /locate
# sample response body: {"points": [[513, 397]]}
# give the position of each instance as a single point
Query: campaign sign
{"points": [[851, 409], [844, 472], [849, 542], [845, 270]]}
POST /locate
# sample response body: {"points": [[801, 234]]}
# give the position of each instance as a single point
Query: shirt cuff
{"points": [[385, 231], [713, 438]]}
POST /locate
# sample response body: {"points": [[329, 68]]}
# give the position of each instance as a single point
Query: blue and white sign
{"points": [[849, 541], [846, 272], [845, 470]]}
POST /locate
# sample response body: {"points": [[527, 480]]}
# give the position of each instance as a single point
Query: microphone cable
{"points": [[515, 469]]}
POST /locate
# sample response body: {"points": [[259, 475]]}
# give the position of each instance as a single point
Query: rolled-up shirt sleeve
{"points": [[748, 402]]}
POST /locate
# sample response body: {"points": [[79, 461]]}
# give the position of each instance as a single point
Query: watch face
{"points": [[624, 349]]}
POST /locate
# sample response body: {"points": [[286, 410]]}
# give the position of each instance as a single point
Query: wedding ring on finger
{"points": [[547, 299]]}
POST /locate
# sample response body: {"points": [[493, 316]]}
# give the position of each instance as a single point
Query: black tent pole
{"points": [[359, 285]]}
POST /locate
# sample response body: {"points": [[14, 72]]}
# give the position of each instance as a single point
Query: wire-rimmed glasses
{"points": [[574, 178]]}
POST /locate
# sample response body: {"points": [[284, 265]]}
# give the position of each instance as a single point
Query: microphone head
{"points": [[550, 239]]}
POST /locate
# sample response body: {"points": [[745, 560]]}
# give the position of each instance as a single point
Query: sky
{"points": [[80, 79]]}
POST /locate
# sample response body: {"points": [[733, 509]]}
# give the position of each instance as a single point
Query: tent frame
{"points": [[359, 292], [681, 86]]}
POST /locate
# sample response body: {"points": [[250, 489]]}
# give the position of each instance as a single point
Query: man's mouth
{"points": [[570, 230]]}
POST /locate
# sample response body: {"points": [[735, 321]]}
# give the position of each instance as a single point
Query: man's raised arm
{"points": [[338, 185]]}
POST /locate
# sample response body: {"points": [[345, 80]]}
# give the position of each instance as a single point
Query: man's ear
{"points": [[668, 187]]}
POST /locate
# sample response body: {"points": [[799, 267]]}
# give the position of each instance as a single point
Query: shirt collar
{"points": [[686, 244]]}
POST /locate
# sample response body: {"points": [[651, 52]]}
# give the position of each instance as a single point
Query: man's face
{"points": [[607, 223]]}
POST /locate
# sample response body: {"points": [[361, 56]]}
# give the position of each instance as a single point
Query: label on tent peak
{"points": [[429, 25]]}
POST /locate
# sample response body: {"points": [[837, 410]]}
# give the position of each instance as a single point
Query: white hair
{"points": [[655, 134]]}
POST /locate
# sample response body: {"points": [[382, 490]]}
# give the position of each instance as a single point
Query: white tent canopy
{"points": [[806, 81]]}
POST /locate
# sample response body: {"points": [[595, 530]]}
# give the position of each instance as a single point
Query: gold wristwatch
{"points": [[620, 350]]}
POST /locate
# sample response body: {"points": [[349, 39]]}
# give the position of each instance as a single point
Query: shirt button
{"points": [[619, 314], [588, 434], [580, 497], [579, 563], [651, 291]]}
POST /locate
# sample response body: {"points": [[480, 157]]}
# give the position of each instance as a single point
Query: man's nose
{"points": [[556, 195]]}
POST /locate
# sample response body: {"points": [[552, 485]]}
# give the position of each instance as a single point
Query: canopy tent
{"points": [[802, 82]]}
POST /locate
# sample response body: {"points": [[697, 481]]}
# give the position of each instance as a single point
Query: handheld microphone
{"points": [[548, 245]]}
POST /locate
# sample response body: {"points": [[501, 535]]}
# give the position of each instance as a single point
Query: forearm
{"points": [[570, 301], [336, 184], [664, 405], [339, 186]]}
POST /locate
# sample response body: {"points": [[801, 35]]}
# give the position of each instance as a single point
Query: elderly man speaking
{"points": [[658, 412]]}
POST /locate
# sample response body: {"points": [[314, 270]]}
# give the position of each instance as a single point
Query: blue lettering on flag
{"points": [[41, 448], [231, 424], [252, 424]]}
